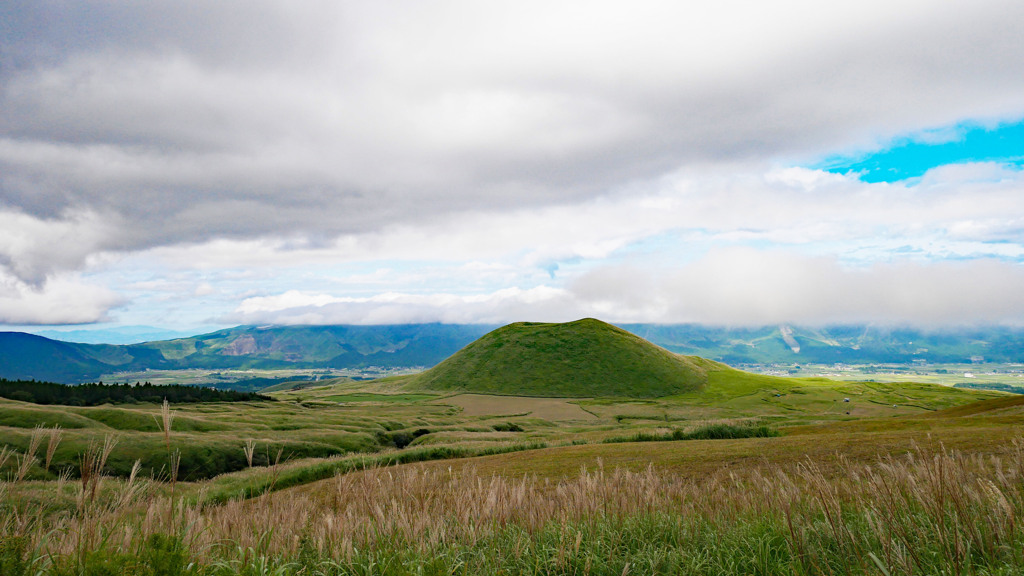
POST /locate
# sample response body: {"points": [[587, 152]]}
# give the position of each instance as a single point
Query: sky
{"points": [[189, 165]]}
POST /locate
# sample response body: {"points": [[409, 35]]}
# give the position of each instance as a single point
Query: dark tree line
{"points": [[100, 393]]}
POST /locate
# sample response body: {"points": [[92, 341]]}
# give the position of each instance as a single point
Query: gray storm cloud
{"points": [[180, 122]]}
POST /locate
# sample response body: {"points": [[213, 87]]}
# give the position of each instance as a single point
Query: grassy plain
{"points": [[498, 484], [344, 417], [238, 378]]}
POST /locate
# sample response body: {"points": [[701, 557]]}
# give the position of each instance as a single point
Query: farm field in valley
{"points": [[972, 374]]}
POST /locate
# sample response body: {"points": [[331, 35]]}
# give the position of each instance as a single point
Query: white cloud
{"points": [[739, 286], [794, 207], [325, 120], [795, 217], [32, 248], [290, 299], [60, 300], [749, 287], [187, 152], [506, 305]]}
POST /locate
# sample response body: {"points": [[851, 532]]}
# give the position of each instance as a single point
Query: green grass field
{"points": [[349, 417], [394, 477]]}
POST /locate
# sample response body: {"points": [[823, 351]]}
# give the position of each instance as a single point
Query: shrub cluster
{"points": [[709, 432], [401, 438]]}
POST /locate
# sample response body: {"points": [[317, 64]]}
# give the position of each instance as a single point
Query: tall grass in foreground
{"points": [[925, 513]]}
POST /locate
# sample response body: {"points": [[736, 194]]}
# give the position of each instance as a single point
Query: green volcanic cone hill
{"points": [[585, 358]]}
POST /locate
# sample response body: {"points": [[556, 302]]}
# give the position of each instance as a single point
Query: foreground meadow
{"points": [[926, 511], [914, 481]]}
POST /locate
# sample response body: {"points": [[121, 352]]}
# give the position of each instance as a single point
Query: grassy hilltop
{"points": [[585, 358]]}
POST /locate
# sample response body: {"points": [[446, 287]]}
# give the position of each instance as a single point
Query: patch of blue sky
{"points": [[910, 157], [677, 242], [926, 250]]}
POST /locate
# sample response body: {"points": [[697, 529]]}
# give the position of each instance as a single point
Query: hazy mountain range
{"points": [[119, 335], [26, 356]]}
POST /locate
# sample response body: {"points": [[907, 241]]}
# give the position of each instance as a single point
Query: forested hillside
{"points": [[95, 394]]}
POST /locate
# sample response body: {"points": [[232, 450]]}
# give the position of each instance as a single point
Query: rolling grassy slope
{"points": [[1001, 406], [585, 358], [809, 502]]}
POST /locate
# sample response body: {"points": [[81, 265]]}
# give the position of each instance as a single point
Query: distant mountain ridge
{"points": [[120, 335], [838, 344], [26, 356]]}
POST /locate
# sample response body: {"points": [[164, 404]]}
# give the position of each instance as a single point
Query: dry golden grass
{"points": [[557, 409], [698, 458], [965, 505], [801, 485]]}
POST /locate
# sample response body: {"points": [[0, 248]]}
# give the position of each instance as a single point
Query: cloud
{"points": [[61, 300], [367, 162], [744, 286], [294, 307], [733, 286], [188, 123], [795, 207], [800, 223], [32, 248]]}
